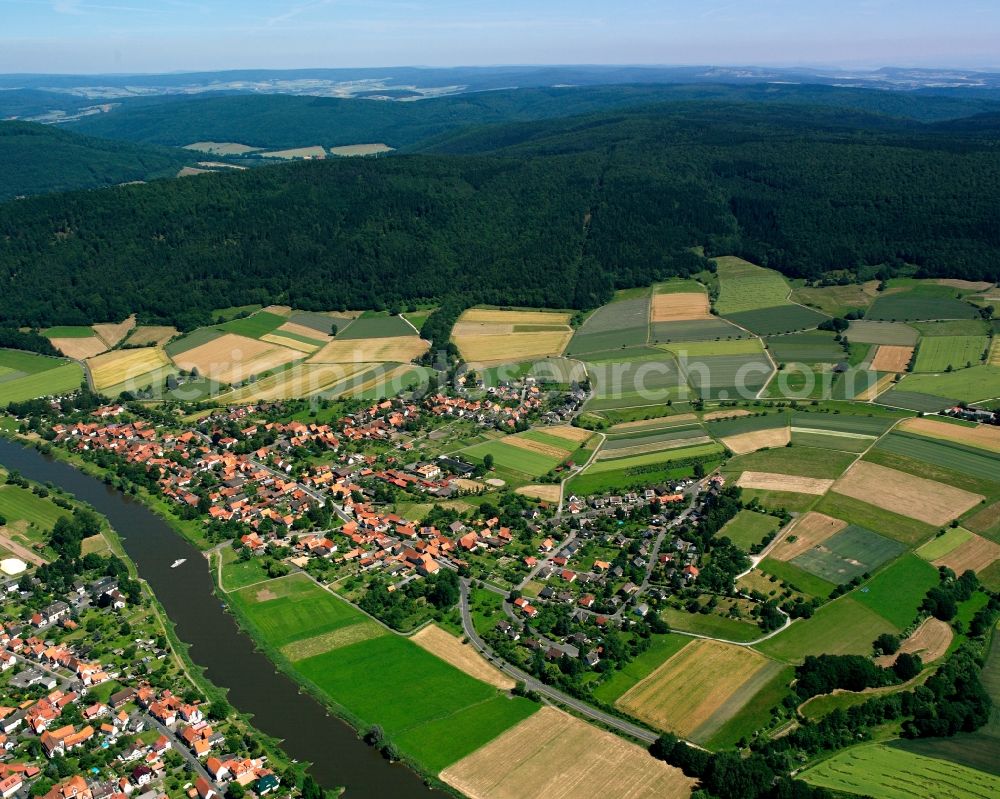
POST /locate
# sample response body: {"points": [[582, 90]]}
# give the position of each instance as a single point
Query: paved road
{"points": [[531, 683], [196, 765]]}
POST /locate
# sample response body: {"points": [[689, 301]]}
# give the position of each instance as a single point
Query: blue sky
{"points": [[166, 35]]}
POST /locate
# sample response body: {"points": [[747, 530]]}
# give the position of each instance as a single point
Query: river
{"points": [[308, 731]]}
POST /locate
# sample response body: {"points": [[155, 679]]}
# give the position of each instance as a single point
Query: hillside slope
{"points": [[36, 159]]}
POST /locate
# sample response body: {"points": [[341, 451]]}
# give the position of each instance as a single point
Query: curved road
{"points": [[533, 684]]}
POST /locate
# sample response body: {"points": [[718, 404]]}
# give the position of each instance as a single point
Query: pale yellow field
{"points": [[982, 436], [809, 531], [297, 152], [930, 640], [694, 685], [576, 434], [550, 492], [744, 443], [489, 349], [880, 385], [111, 334], [191, 171], [966, 285], [397, 349], [679, 307], [361, 149], [295, 344], [891, 358], [652, 446], [994, 357], [552, 755], [302, 330], [335, 639], [708, 417], [79, 348], [119, 366], [301, 380], [221, 147], [232, 358], [463, 657], [977, 553], [783, 482], [549, 450], [152, 335], [277, 310], [515, 317], [384, 382], [463, 329], [905, 494]]}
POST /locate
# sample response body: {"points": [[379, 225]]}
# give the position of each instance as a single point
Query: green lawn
{"points": [[69, 331], [507, 456], [941, 545], [711, 624], [377, 327], [748, 528], [662, 648], [797, 578], [842, 627], [18, 503], [896, 592], [55, 377], [696, 349], [886, 772], [937, 353], [293, 608], [239, 574], [429, 709]]}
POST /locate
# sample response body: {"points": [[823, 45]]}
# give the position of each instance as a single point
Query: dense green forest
{"points": [[35, 159], [287, 121], [551, 213]]}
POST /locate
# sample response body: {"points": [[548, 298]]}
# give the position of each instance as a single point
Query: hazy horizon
{"points": [[170, 36]]}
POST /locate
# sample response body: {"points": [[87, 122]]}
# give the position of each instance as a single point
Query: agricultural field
{"points": [[716, 624], [915, 401], [77, 347], [793, 461], [780, 319], [890, 773], [980, 436], [769, 481], [523, 454], [808, 531], [972, 385], [942, 353], [960, 550], [636, 382], [372, 325], [221, 147], [896, 592], [930, 641], [892, 358], [579, 761], [232, 358], [679, 306], [749, 528], [944, 461], [299, 380], [711, 329], [809, 348], [152, 335], [904, 529], [25, 375], [254, 326], [956, 327], [841, 627], [621, 323], [698, 689], [905, 494], [909, 301], [621, 473], [126, 367], [728, 376], [837, 300], [655, 441], [353, 150], [795, 578], [640, 667], [112, 333], [897, 334], [314, 151], [394, 349], [493, 336], [847, 554], [463, 657], [747, 287]]}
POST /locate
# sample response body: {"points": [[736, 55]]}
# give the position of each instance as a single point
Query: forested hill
{"points": [[35, 159], [281, 121], [558, 213]]}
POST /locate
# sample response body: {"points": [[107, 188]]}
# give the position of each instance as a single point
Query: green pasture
{"points": [[853, 511], [794, 577], [940, 353], [744, 286], [260, 324], [848, 554], [714, 329], [661, 648], [785, 318], [866, 331], [748, 528], [376, 327], [814, 347], [896, 592], [801, 461]]}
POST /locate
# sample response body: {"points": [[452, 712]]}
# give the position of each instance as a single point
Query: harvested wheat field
{"points": [[577, 434], [680, 307], [277, 310], [350, 150], [552, 755], [745, 443], [994, 356], [809, 531], [463, 657], [977, 553], [981, 436], [396, 349], [891, 358], [295, 344], [301, 380], [769, 481], [302, 330], [550, 492], [79, 348], [872, 391], [652, 446], [515, 317], [905, 494], [699, 685], [930, 640], [711, 417], [335, 639], [495, 349], [382, 381], [152, 335], [116, 367], [540, 447], [232, 358], [111, 334]]}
